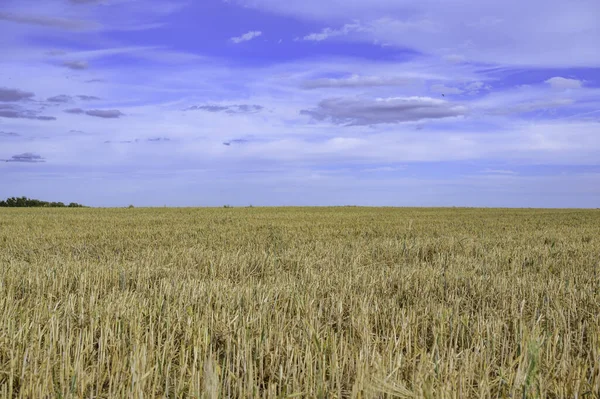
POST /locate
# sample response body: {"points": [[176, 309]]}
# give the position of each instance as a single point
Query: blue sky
{"points": [[319, 102]]}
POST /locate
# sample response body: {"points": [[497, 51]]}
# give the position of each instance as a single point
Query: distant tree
{"points": [[24, 202]]}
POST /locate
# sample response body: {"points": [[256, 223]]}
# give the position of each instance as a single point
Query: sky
{"points": [[316, 102]]}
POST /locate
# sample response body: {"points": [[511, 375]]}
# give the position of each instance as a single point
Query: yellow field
{"points": [[299, 302]]}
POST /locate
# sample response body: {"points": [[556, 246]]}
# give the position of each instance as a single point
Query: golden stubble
{"points": [[299, 302]]}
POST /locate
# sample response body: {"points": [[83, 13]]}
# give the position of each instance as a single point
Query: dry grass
{"points": [[332, 302]]}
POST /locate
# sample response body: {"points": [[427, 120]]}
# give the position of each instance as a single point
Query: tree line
{"points": [[24, 202]]}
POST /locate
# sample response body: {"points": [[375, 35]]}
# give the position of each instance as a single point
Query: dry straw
{"points": [[306, 303]]}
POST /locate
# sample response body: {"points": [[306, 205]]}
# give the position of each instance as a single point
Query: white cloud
{"points": [[330, 32], [382, 132], [386, 107], [558, 82], [477, 87], [246, 37], [371, 28]]}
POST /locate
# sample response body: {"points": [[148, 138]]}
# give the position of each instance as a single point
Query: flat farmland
{"points": [[299, 302]]}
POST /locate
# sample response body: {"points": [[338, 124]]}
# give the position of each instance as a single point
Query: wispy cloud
{"points": [[208, 108], [246, 37], [158, 139], [9, 134], [454, 58], [358, 27], [26, 157], [229, 109], [477, 87], [532, 106], [473, 30], [87, 98], [61, 98], [499, 172], [384, 169], [235, 141], [443, 89], [356, 81], [46, 21], [55, 53], [76, 65], [76, 111], [87, 1], [149, 140], [330, 32]]}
